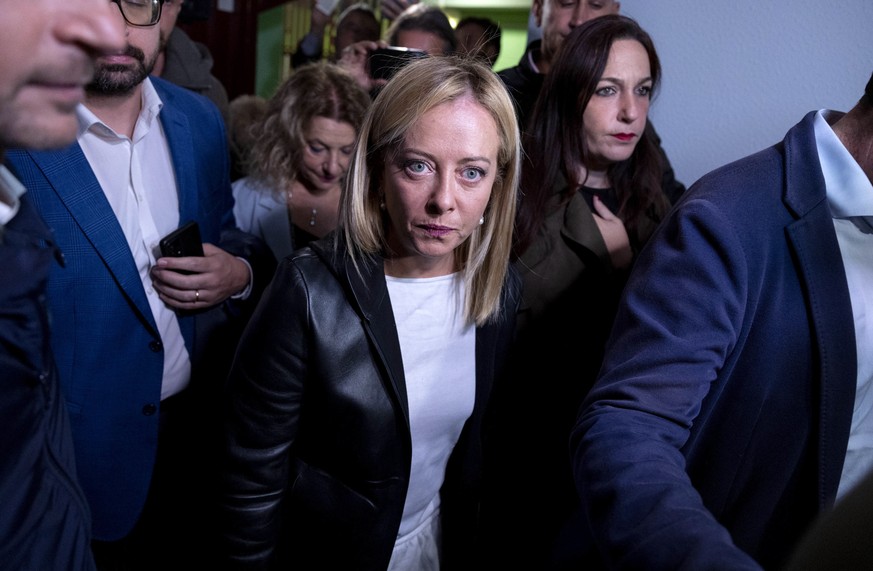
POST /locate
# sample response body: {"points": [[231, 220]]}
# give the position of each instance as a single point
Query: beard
{"points": [[119, 79]]}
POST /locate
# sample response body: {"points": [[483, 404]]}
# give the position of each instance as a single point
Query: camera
{"points": [[384, 62]]}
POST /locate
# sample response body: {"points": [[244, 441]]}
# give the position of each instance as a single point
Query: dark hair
{"points": [[371, 29], [491, 35], [424, 18], [553, 144]]}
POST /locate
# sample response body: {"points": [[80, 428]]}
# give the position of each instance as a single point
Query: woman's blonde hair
{"points": [[319, 89], [416, 89]]}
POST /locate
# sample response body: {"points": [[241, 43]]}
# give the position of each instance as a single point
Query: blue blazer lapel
{"points": [[180, 142], [178, 132], [77, 188]]}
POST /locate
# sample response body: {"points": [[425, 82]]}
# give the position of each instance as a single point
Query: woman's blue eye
{"points": [[416, 167], [472, 174]]}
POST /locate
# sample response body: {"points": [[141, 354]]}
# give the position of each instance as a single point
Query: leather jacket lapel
{"points": [[371, 294]]}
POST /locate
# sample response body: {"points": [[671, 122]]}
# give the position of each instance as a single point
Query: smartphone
{"points": [[384, 62], [182, 242], [326, 7]]}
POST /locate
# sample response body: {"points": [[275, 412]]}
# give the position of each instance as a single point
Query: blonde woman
{"points": [[299, 159], [356, 400]]}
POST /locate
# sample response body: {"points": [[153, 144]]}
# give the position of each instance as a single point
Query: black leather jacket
{"points": [[319, 448]]}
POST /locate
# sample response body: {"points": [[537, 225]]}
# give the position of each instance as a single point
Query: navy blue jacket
{"points": [[44, 518]]}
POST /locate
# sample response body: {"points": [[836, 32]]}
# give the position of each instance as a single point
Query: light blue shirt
{"points": [[850, 194]]}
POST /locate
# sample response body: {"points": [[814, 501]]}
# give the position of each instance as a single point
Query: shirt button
{"points": [[156, 346], [149, 409]]}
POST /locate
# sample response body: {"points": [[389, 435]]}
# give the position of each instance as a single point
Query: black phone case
{"points": [[183, 241]]}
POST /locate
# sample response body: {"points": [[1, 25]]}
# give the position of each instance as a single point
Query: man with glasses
{"points": [[130, 331], [47, 48]]}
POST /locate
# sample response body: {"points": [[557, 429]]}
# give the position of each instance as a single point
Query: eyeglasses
{"points": [[140, 13]]}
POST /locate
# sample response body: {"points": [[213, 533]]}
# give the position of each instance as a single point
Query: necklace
{"points": [[313, 212]]}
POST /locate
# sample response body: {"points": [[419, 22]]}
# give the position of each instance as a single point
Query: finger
{"points": [[603, 210], [185, 299], [168, 277], [191, 264]]}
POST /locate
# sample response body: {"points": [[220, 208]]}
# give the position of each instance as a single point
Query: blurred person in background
{"points": [[479, 37], [354, 24], [298, 161]]}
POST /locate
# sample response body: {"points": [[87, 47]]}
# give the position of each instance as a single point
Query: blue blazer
{"points": [[106, 344], [718, 427]]}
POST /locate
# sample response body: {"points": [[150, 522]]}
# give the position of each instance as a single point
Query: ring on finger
{"points": [[196, 296]]}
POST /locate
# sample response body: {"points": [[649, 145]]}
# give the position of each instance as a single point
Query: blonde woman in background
{"points": [[299, 159]]}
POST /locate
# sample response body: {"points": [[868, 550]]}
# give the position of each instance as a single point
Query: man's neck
{"points": [[118, 112], [855, 131]]}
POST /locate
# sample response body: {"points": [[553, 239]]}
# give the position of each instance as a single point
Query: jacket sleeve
{"points": [[681, 316], [262, 409]]}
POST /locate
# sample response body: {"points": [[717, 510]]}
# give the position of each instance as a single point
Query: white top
{"points": [[850, 194], [137, 177], [439, 363]]}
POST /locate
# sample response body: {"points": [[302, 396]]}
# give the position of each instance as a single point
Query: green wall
{"points": [[271, 38]]}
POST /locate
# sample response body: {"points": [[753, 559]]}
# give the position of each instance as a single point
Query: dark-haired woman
{"points": [[591, 198]]}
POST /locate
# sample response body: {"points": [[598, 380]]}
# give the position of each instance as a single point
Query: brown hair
{"points": [[555, 148], [319, 89]]}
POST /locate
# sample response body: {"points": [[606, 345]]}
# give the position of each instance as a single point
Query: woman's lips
{"points": [[434, 230], [624, 137]]}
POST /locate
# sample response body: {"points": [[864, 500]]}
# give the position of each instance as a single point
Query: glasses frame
{"points": [[157, 17]]}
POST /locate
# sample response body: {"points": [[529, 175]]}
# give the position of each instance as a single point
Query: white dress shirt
{"points": [[137, 177]]}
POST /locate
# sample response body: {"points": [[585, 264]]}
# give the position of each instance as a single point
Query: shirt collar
{"points": [[849, 191], [151, 107]]}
